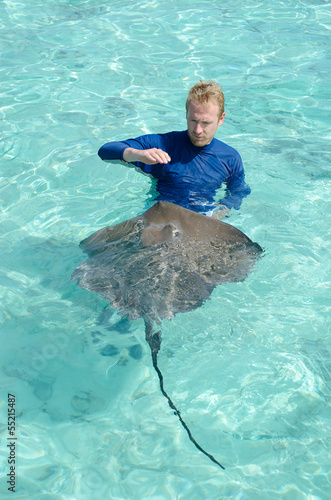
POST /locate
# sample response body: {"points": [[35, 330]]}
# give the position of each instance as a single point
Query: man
{"points": [[191, 165]]}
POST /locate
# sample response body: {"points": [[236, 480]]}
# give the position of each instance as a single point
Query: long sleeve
{"points": [[115, 150], [236, 187], [112, 151]]}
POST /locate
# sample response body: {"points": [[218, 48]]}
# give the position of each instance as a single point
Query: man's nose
{"points": [[198, 128]]}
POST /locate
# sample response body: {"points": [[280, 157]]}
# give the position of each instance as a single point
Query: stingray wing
{"points": [[100, 240]]}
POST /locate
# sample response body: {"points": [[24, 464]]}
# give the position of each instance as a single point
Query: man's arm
{"points": [[112, 151], [147, 149], [148, 156], [236, 190], [236, 187]]}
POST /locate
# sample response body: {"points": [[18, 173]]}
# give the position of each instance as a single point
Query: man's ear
{"points": [[221, 120]]}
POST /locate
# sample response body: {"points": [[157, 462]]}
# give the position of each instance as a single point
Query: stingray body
{"points": [[165, 261]]}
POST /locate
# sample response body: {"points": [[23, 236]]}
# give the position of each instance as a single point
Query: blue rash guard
{"points": [[194, 173]]}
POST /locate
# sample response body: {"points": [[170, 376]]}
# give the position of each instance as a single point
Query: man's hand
{"points": [[221, 213], [147, 156]]}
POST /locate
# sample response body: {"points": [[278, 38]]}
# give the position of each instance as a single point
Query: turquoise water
{"points": [[250, 370]]}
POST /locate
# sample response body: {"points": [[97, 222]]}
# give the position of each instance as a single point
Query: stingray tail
{"points": [[154, 341]]}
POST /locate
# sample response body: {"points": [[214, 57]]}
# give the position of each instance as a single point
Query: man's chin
{"points": [[198, 142]]}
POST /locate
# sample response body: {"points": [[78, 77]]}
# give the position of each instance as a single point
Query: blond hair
{"points": [[206, 92]]}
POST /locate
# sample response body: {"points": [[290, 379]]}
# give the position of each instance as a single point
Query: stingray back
{"points": [[158, 281]]}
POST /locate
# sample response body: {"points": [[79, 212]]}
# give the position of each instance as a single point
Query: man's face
{"points": [[202, 122]]}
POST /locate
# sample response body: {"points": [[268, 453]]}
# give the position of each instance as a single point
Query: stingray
{"points": [[165, 261]]}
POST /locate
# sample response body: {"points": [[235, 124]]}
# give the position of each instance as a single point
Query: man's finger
{"points": [[159, 155]]}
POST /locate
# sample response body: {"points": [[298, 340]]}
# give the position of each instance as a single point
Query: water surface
{"points": [[250, 370]]}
